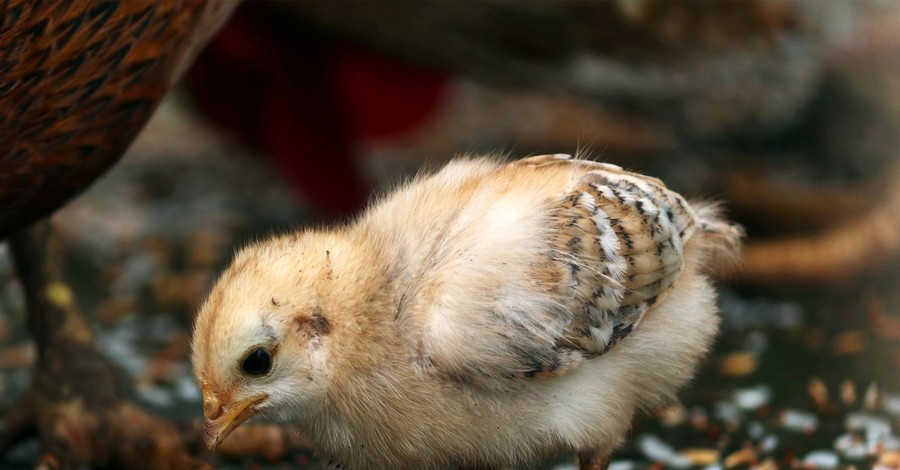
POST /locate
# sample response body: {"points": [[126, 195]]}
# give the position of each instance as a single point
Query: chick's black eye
{"points": [[257, 362]]}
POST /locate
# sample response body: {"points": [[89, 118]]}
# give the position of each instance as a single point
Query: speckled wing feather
{"points": [[619, 244], [615, 245]]}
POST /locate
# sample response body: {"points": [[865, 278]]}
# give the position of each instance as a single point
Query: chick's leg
{"points": [[597, 459]]}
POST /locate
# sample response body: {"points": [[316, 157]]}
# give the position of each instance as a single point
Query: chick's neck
{"points": [[358, 296]]}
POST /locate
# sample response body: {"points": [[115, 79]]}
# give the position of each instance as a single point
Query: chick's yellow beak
{"points": [[221, 419]]}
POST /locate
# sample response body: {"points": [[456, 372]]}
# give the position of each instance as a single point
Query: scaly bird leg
{"points": [[76, 403]]}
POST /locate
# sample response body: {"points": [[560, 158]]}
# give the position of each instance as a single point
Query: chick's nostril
{"points": [[212, 406], [212, 410]]}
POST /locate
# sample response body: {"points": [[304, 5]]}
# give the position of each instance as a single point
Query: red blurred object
{"points": [[306, 101]]}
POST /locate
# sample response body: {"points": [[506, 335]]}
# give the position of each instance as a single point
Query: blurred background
{"points": [[298, 112]]}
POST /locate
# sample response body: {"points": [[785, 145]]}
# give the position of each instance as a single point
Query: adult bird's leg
{"points": [[597, 459], [76, 400]]}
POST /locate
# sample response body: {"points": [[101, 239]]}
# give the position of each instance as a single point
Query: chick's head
{"points": [[261, 338]]}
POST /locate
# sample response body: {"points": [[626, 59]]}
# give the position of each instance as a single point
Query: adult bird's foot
{"points": [[76, 403]]}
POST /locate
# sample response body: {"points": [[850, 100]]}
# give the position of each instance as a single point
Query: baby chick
{"points": [[488, 315]]}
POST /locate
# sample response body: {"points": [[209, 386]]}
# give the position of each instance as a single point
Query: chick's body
{"points": [[488, 315]]}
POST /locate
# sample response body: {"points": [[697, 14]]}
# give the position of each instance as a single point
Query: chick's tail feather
{"points": [[718, 240]]}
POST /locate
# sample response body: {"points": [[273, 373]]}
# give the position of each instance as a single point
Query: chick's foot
{"points": [[594, 460]]}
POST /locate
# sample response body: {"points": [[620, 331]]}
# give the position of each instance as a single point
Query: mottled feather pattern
{"points": [[621, 238], [78, 80]]}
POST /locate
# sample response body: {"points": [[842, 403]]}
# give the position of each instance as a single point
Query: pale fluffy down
{"points": [[488, 315]]}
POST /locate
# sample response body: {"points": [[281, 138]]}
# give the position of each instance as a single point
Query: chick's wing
{"points": [[537, 281]]}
